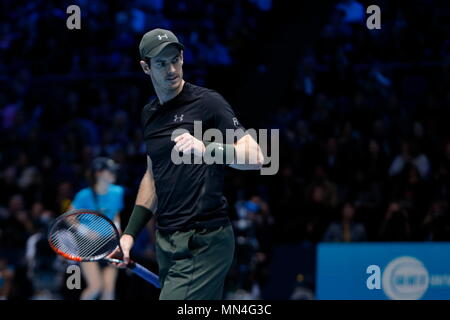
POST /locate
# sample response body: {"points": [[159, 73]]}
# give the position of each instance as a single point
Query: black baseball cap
{"points": [[154, 41], [102, 163]]}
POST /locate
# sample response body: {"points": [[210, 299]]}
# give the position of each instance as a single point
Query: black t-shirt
{"points": [[189, 195]]}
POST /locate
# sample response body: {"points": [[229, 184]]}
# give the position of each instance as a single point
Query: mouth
{"points": [[172, 78]]}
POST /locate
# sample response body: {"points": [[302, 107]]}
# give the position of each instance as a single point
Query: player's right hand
{"points": [[126, 243]]}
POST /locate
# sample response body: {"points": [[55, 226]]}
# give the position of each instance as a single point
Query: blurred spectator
{"points": [[346, 230], [16, 226], [410, 154], [436, 224], [395, 226], [45, 270], [8, 184], [375, 161], [6, 279], [251, 229], [302, 290], [64, 197]]}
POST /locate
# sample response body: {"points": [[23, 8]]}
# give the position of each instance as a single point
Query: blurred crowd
{"points": [[366, 128], [365, 149]]}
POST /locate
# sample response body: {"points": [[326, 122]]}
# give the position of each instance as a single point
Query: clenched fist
{"points": [[186, 143]]}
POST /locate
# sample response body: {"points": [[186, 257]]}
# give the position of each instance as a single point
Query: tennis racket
{"points": [[88, 235]]}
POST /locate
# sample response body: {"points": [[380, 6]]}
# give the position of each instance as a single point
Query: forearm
{"points": [[245, 154], [117, 222], [145, 206], [248, 154], [146, 196]]}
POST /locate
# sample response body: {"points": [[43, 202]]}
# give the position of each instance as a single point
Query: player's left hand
{"points": [[187, 143]]}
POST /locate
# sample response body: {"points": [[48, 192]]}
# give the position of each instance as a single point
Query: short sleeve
{"points": [[220, 115], [80, 200]]}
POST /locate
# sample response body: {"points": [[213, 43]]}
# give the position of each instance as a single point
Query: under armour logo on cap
{"points": [[176, 118], [154, 41]]}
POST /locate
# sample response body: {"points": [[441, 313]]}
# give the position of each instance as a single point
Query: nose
{"points": [[171, 68]]}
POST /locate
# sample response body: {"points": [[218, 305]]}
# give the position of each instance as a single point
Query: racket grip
{"points": [[144, 273]]}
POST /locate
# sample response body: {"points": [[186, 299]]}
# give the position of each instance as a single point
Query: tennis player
{"points": [[108, 198], [194, 236]]}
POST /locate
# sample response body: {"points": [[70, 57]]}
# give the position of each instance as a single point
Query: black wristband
{"points": [[138, 219], [224, 152]]}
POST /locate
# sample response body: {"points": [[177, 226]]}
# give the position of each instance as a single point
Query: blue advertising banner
{"points": [[379, 271]]}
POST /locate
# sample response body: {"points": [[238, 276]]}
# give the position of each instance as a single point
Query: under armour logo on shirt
{"points": [[160, 36], [178, 118]]}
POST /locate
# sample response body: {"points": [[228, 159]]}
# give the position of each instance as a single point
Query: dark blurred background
{"points": [[363, 119]]}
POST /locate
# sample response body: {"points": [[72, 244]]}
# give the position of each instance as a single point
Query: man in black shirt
{"points": [[194, 237]]}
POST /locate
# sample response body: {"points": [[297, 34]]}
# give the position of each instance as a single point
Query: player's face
{"points": [[166, 69], [106, 176]]}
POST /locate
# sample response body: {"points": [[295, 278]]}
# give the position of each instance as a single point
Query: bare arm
{"points": [[146, 196], [248, 154], [117, 221]]}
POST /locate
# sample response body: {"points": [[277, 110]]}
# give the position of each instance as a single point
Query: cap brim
{"points": [[153, 53], [115, 168]]}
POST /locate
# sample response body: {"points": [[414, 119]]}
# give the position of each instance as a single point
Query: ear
{"points": [[145, 67]]}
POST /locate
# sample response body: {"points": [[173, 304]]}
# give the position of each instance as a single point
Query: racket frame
{"points": [[79, 259], [133, 266]]}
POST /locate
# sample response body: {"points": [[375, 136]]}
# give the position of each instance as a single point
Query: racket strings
{"points": [[90, 249], [84, 244], [87, 249], [84, 237], [83, 248]]}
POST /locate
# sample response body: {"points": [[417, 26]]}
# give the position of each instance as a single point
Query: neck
{"points": [[166, 95], [101, 187]]}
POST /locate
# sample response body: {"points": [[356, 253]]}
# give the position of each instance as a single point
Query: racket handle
{"points": [[144, 273]]}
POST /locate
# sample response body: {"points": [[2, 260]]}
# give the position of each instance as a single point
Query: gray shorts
{"points": [[193, 264]]}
